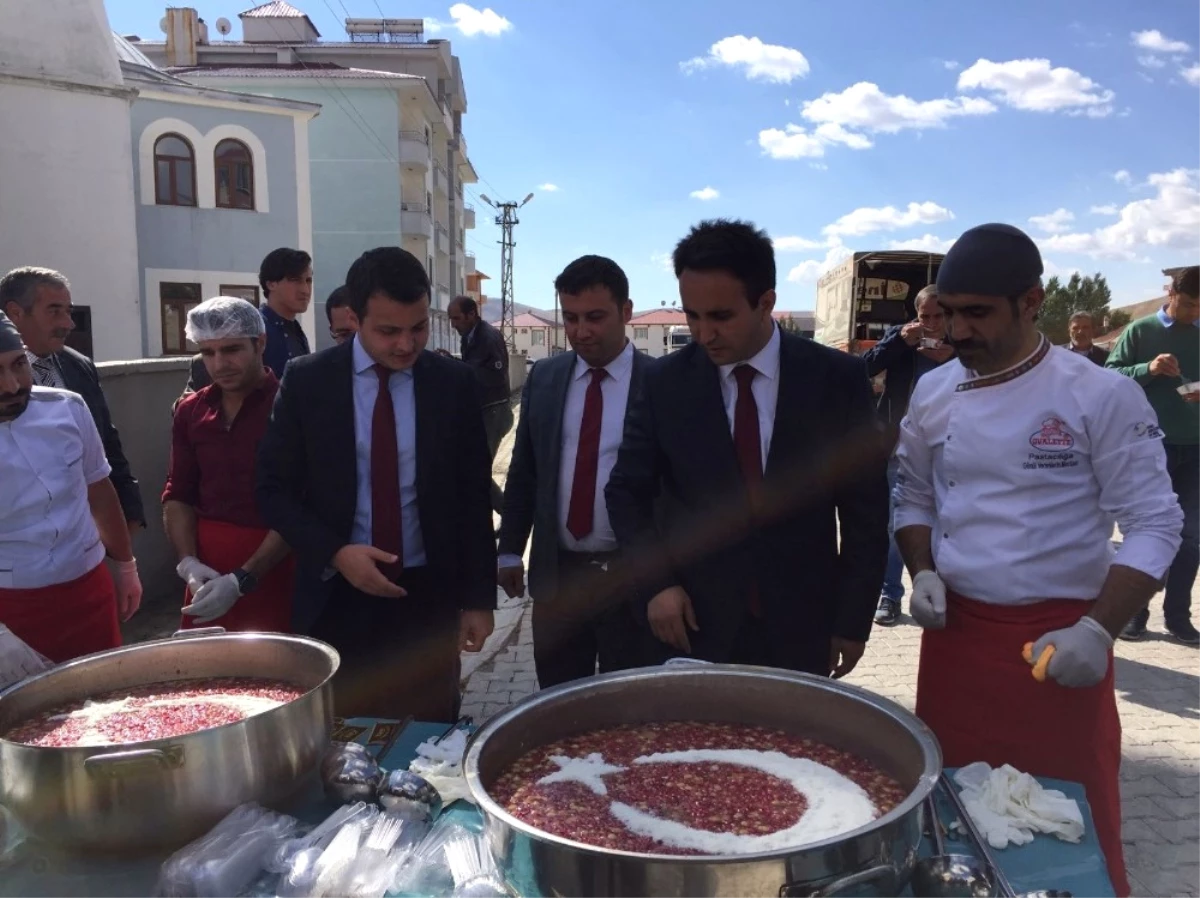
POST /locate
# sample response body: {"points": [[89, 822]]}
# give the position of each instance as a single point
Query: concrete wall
{"points": [[140, 395]]}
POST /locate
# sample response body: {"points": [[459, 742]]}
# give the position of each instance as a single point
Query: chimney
{"points": [[183, 31]]}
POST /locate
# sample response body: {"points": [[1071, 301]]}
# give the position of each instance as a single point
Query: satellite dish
{"points": [[162, 24], [223, 26]]}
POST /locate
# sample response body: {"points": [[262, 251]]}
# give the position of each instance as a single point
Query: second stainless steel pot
{"points": [[874, 859], [162, 793]]}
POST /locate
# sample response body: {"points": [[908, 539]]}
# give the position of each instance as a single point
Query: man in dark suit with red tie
{"points": [[745, 458], [572, 418], [375, 471]]}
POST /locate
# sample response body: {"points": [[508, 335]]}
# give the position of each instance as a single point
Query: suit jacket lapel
{"points": [[338, 423], [711, 421], [425, 400], [790, 413], [556, 393]]}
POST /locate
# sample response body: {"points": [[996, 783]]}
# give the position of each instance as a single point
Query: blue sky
{"points": [[835, 126]]}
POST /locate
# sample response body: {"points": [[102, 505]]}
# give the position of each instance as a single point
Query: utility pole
{"points": [[506, 218]]}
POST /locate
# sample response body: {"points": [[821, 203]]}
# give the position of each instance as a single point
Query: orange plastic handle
{"points": [[1039, 667]]}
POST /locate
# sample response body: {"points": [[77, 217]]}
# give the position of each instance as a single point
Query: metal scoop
{"points": [[949, 875]]}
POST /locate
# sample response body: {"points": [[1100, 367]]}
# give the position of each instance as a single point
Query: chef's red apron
{"points": [[977, 694], [67, 620], [225, 548]]}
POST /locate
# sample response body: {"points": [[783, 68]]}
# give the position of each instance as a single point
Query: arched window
{"points": [[234, 175], [174, 171]]}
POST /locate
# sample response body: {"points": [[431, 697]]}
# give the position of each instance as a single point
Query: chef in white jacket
{"points": [[1014, 463]]}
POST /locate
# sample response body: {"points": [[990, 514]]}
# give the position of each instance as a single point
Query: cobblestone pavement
{"points": [[1158, 692]]}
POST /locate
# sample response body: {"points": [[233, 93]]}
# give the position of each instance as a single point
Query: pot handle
{"points": [[842, 882], [198, 631], [114, 765]]}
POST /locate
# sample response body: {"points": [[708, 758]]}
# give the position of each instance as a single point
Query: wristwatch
{"points": [[246, 581]]}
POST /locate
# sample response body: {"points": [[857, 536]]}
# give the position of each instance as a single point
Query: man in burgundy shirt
{"points": [[229, 559]]}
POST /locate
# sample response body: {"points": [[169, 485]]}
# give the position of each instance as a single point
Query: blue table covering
{"points": [[1045, 863]]}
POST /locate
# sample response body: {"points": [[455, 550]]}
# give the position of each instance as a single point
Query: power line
{"points": [[506, 218]]}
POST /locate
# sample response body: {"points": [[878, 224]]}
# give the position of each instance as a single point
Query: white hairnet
{"points": [[224, 318]]}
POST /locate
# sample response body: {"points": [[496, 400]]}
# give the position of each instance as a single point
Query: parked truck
{"points": [[868, 293]]}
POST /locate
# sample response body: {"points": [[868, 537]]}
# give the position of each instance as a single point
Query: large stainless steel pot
{"points": [[162, 793], [875, 859]]}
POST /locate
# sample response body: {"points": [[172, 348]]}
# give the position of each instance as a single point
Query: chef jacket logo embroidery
{"points": [[1053, 437], [1147, 430]]}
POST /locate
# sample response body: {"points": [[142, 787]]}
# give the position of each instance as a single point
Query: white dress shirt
{"points": [[765, 388], [49, 456], [614, 390], [1022, 473], [404, 404]]}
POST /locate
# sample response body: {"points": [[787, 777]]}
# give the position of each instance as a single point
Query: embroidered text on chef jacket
{"points": [[49, 455], [1021, 474]]}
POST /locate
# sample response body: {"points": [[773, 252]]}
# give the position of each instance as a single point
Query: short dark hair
{"points": [[337, 299], [1082, 316], [389, 270], [468, 305], [736, 247], [280, 264], [1187, 281], [593, 271]]}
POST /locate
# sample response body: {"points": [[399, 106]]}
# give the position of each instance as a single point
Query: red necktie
{"points": [[587, 460], [746, 437], [747, 442], [386, 530]]}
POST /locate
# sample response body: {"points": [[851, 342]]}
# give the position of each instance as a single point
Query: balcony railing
{"points": [[414, 207]]}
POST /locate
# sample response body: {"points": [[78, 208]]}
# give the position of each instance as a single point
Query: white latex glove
{"points": [[928, 603], [1081, 653], [129, 588], [195, 573], [18, 659], [214, 598]]}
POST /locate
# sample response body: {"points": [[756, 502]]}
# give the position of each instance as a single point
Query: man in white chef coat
{"points": [[1013, 466], [59, 517]]}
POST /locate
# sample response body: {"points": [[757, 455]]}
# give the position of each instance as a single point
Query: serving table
{"points": [[38, 869]]}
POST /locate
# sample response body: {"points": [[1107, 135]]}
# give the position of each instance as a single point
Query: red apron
{"points": [[978, 696], [67, 620], [225, 548]]}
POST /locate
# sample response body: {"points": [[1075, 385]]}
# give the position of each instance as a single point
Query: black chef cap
{"points": [[991, 260], [10, 337]]}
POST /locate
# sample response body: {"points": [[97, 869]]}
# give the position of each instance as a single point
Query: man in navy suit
{"points": [[375, 470], [572, 419], [747, 455]]}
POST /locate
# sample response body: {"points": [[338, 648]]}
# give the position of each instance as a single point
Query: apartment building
{"points": [[387, 158]]}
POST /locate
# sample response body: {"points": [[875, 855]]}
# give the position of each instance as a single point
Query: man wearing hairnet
{"points": [[238, 572], [59, 518]]}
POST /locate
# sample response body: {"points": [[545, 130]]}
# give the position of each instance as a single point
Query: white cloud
{"points": [[1122, 177], [796, 244], [1151, 62], [663, 261], [811, 270], [926, 244], [818, 166], [1157, 42], [1056, 222], [549, 188], [469, 21], [1110, 209], [864, 106], [832, 132], [867, 220], [758, 61], [1032, 85], [1191, 74], [848, 117], [705, 194], [793, 142], [949, 64], [1170, 218], [1052, 269]]}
